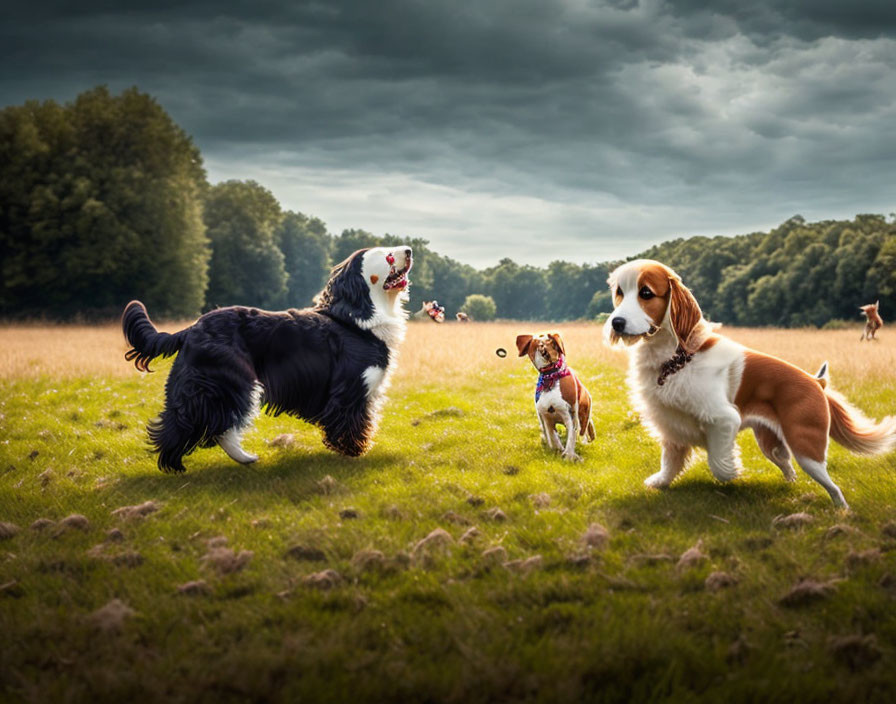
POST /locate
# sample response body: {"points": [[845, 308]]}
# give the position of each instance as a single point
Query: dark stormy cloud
{"points": [[535, 129]]}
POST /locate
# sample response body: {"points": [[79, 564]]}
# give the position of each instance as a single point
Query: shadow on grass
{"points": [[298, 473], [703, 503]]}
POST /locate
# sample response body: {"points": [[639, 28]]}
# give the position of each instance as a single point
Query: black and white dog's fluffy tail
{"points": [[146, 342]]}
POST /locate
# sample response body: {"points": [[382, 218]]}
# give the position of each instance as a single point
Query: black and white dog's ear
{"points": [[347, 293]]}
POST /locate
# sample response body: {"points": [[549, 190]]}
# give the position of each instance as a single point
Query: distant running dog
{"points": [[694, 387], [559, 395], [329, 365], [433, 310], [875, 322]]}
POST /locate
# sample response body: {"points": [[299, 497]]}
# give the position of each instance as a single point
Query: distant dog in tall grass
{"points": [[559, 395], [874, 323], [329, 364], [694, 387]]}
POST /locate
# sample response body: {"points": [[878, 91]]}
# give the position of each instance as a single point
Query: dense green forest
{"points": [[105, 199]]}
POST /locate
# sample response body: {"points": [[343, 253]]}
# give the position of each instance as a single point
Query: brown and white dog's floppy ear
{"points": [[684, 313], [555, 336], [522, 343]]}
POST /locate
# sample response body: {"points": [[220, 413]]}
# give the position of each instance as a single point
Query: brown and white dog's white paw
{"points": [[657, 481]]}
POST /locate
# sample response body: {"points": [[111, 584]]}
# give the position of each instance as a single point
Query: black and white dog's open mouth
{"points": [[398, 278]]}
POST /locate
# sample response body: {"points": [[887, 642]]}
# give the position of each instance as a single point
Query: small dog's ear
{"points": [[877, 303], [684, 312], [555, 336], [522, 343]]}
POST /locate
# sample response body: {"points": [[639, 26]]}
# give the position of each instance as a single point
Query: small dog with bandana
{"points": [[559, 395]]}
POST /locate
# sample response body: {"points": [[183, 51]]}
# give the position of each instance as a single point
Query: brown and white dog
{"points": [[559, 395], [875, 322], [696, 388]]}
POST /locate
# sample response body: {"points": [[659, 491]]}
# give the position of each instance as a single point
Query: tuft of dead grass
{"points": [[596, 536], [692, 557], [111, 617], [719, 580], [306, 553], [198, 587], [794, 520], [857, 652], [73, 522], [438, 539], [807, 591], [327, 579], [136, 511], [368, 560], [227, 561]]}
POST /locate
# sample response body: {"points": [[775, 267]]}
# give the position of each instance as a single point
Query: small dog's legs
{"points": [[774, 448], [571, 423], [819, 472], [807, 438], [590, 432], [545, 438], [554, 442], [673, 461], [721, 449]]}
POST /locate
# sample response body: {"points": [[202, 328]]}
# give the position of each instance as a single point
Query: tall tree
{"points": [[519, 291], [100, 201], [247, 266], [352, 240], [305, 244]]}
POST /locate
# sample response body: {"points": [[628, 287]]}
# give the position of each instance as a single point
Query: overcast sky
{"points": [[536, 129]]}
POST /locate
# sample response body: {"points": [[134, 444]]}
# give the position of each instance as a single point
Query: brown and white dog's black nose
{"points": [[618, 324]]}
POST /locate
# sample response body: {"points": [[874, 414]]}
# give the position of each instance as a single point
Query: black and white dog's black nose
{"points": [[407, 253], [618, 324]]}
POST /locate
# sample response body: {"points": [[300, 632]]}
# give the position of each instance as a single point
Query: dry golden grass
{"points": [[444, 352]]}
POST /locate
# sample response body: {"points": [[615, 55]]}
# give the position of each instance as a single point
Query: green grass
{"points": [[596, 624]]}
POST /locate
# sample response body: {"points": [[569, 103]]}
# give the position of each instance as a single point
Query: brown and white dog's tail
{"points": [[852, 429]]}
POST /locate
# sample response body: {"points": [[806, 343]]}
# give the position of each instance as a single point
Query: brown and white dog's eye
{"points": [[646, 293], [619, 292]]}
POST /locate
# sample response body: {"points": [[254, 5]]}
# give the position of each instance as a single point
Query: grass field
{"points": [[311, 577]]}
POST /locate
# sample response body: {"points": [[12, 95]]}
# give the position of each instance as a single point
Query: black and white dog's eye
{"points": [[645, 293]]}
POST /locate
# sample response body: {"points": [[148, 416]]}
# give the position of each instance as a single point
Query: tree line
{"points": [[105, 199]]}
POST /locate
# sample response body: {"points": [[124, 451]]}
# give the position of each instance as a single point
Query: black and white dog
{"points": [[329, 364]]}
